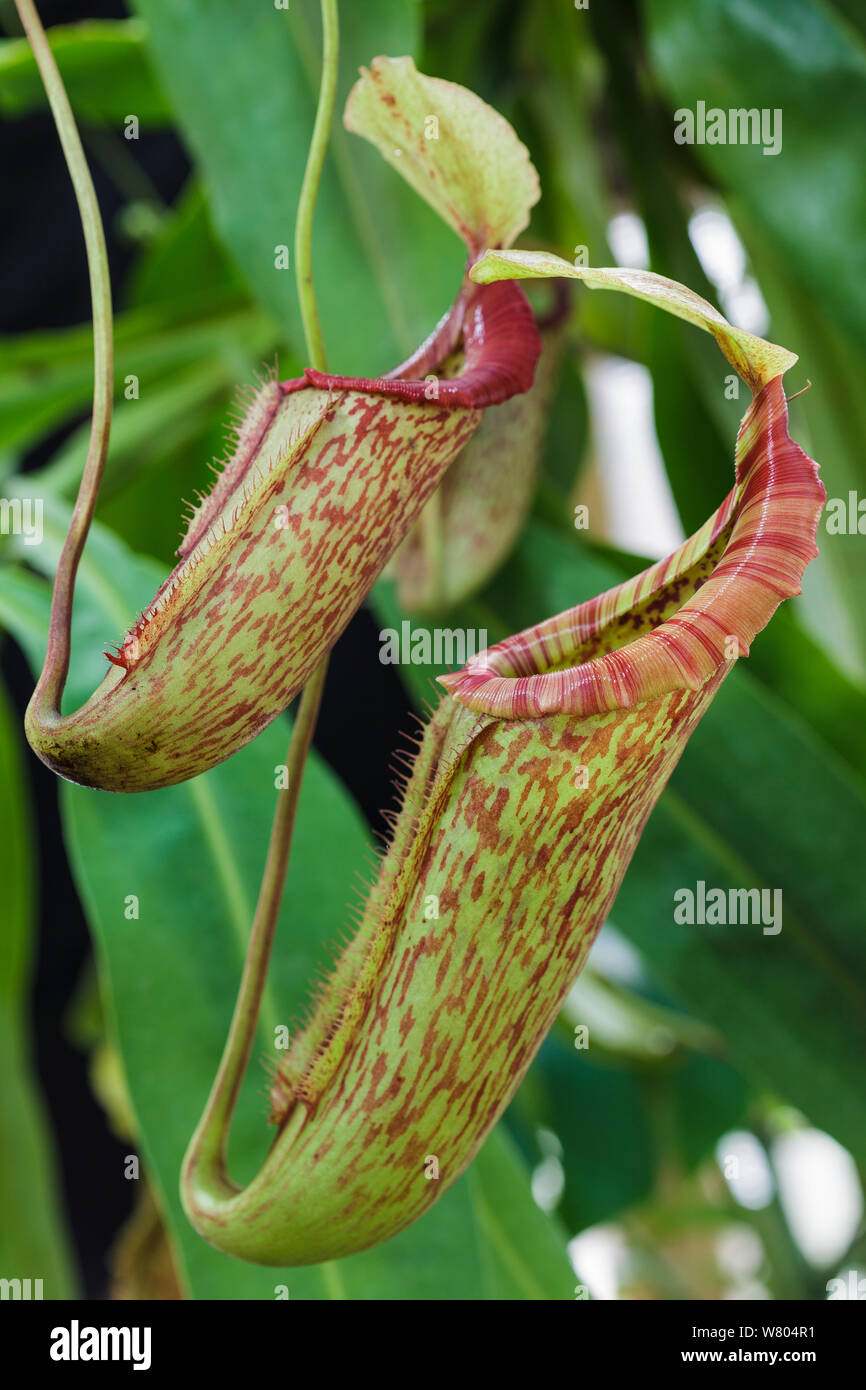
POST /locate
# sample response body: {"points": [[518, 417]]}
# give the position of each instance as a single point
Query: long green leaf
{"points": [[46, 377], [104, 67], [33, 1241], [799, 58]]}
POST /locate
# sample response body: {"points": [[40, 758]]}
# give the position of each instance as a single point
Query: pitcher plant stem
{"points": [[47, 696], [205, 1168]]}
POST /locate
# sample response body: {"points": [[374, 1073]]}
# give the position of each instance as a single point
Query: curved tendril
{"points": [[45, 702], [205, 1180]]}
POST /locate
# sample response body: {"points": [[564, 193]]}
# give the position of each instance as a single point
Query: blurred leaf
{"points": [[184, 253], [168, 415], [853, 11], [708, 1097], [688, 375], [556, 42], [464, 62], [522, 1250], [105, 69], [831, 419], [791, 664], [567, 436], [244, 85], [33, 1242], [621, 1125], [599, 1115], [47, 377], [627, 1026], [163, 451], [683, 417], [800, 58], [152, 502], [756, 802]]}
